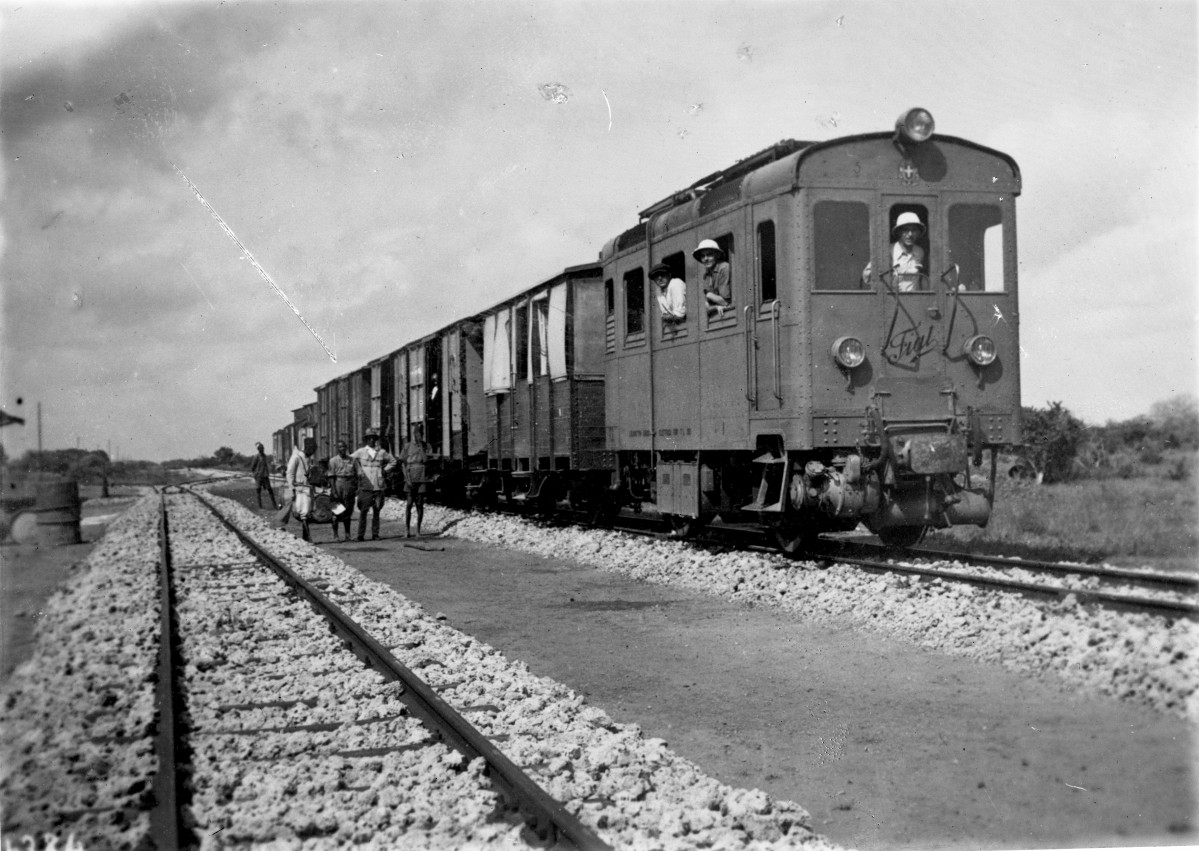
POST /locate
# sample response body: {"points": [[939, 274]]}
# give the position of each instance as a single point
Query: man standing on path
{"points": [[260, 469], [372, 462], [343, 483], [297, 480], [414, 456]]}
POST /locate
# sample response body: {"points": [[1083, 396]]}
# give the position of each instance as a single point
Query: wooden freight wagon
{"points": [[543, 393], [438, 384]]}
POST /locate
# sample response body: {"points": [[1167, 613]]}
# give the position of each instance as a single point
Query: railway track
{"points": [[275, 698], [1166, 595]]}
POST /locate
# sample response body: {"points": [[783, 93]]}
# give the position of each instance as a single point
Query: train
{"points": [[851, 356]]}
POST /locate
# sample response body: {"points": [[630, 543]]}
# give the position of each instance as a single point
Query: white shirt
{"points": [[673, 299], [907, 265]]}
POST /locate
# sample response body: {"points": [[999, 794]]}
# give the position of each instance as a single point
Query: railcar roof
{"points": [[780, 150]]}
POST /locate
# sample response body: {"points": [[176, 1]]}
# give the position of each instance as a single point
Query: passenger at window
{"points": [[717, 280], [672, 294], [907, 258]]}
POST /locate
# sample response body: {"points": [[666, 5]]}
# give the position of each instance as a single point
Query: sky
{"points": [[394, 166]]}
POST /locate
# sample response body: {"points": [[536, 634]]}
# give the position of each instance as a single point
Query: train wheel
{"points": [[902, 537], [795, 538]]}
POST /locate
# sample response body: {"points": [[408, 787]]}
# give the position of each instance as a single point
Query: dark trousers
{"points": [[343, 494], [265, 483], [373, 501]]}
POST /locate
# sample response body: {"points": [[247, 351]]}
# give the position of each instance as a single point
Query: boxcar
{"points": [[438, 382], [542, 401]]}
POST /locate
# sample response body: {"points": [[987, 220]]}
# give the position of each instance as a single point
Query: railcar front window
{"points": [[976, 246], [842, 249]]}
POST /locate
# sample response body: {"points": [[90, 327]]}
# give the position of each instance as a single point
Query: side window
{"points": [[634, 301], [767, 275], [520, 335], [678, 265], [976, 246], [609, 316], [540, 337], [678, 269], [842, 245], [718, 292], [909, 248]]}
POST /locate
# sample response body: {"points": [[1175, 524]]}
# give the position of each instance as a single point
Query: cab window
{"points": [[842, 245], [976, 246], [909, 253]]}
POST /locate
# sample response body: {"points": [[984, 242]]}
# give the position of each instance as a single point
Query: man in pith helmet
{"points": [[907, 258], [717, 281]]}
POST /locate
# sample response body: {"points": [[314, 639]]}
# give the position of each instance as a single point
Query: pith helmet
{"points": [[906, 219], [707, 245]]}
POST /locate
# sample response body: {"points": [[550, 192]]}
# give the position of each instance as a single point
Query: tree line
{"points": [[1056, 444], [1063, 448]]}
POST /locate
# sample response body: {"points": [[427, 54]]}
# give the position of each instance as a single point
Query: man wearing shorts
{"points": [[297, 481]]}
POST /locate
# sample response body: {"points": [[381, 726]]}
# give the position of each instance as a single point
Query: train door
{"points": [[416, 388], [400, 397], [911, 282], [767, 312], [433, 396]]}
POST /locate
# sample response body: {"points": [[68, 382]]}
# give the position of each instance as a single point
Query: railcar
{"points": [[838, 388], [438, 386]]}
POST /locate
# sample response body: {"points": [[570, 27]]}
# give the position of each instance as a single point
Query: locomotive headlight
{"points": [[915, 125], [848, 352], [980, 349]]}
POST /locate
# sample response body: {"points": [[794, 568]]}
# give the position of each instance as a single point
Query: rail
{"points": [[548, 817]]}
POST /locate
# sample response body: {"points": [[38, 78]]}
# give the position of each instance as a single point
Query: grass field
{"points": [[1150, 519]]}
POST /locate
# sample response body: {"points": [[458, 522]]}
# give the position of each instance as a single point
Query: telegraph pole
{"points": [[39, 427]]}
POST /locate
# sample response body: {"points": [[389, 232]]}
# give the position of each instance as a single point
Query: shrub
{"points": [[1053, 436]]}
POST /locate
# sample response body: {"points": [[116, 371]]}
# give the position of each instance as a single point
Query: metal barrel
{"points": [[57, 506]]}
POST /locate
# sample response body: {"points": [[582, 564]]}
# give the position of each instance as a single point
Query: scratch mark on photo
{"points": [[263, 272], [197, 286]]}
